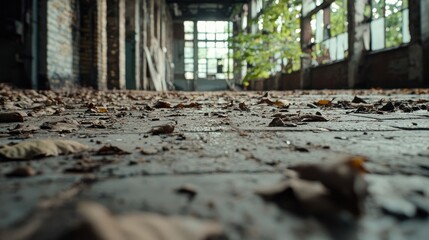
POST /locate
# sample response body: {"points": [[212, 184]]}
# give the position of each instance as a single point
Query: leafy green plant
{"points": [[277, 41]]}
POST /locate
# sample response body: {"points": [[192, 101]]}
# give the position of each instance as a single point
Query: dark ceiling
{"points": [[203, 9]]}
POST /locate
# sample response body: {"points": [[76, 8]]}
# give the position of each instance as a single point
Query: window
{"points": [[329, 32], [213, 55], [389, 23]]}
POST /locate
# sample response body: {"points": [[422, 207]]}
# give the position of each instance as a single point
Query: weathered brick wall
{"points": [[116, 44], [60, 51], [93, 44]]}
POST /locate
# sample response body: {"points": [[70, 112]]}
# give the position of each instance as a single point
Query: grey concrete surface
{"points": [[225, 154]]}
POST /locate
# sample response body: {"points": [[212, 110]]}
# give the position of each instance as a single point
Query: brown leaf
{"points": [[162, 104], [101, 225], [27, 150], [8, 117], [357, 99], [25, 171], [312, 118], [388, 107], [111, 150], [243, 106], [190, 105], [326, 188], [64, 126], [23, 129], [164, 129], [279, 122], [323, 102], [188, 190]]}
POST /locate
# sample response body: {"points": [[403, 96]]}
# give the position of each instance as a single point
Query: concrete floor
{"points": [[223, 153]]}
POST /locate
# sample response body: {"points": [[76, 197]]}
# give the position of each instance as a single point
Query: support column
{"points": [[424, 30], [116, 44], [415, 50], [132, 32], [356, 30], [305, 75]]}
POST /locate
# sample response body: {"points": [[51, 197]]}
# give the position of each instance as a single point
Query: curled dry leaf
{"points": [[278, 103], [64, 126], [278, 122], [8, 117], [243, 107], [111, 150], [323, 103], [388, 107], [190, 105], [312, 118], [23, 129], [322, 188], [162, 104], [27, 150], [357, 99], [164, 129], [100, 224], [26, 171], [187, 189]]}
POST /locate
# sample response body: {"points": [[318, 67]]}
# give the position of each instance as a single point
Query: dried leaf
{"points": [[25, 171], [164, 129], [357, 99], [162, 104], [8, 117], [388, 107], [278, 122], [323, 102], [243, 106], [326, 188], [190, 105], [111, 150], [312, 118], [188, 190], [27, 150], [64, 126], [23, 129], [100, 224]]}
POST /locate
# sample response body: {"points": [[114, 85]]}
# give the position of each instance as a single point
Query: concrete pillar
{"points": [[144, 43], [415, 50], [305, 77], [424, 29], [115, 44], [356, 30], [132, 44]]}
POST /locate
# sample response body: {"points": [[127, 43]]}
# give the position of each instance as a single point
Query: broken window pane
{"points": [[377, 34], [406, 37]]}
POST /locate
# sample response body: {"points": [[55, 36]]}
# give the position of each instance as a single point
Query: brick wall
{"points": [[60, 51]]}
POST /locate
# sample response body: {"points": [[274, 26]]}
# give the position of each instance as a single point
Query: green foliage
{"points": [[278, 39]]}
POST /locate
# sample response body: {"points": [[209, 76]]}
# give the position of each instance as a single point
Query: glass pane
{"points": [[393, 6], [211, 44], [202, 53], [189, 61], [202, 68], [189, 52], [201, 26], [221, 27], [319, 27], [202, 75], [201, 44], [189, 36], [201, 36], [377, 34], [189, 67], [189, 75], [405, 27], [189, 26], [189, 44], [210, 36], [211, 27], [211, 53]]}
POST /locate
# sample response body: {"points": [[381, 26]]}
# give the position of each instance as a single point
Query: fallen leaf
{"points": [[162, 104], [312, 118], [102, 225], [26, 171], [164, 129], [357, 99], [278, 122], [23, 129], [8, 117], [243, 107], [111, 150], [388, 107], [323, 102], [27, 150], [188, 189], [281, 103], [149, 151], [190, 105], [64, 126], [325, 188]]}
